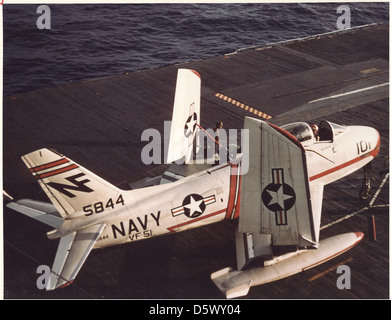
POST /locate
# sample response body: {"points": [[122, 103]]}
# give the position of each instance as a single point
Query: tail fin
{"points": [[186, 115], [69, 186]]}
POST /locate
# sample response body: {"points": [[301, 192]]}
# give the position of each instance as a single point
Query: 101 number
{"points": [[363, 146]]}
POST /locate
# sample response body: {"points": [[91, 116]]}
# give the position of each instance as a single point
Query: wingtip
{"points": [[7, 197], [359, 236], [188, 71], [51, 288], [196, 73], [65, 284]]}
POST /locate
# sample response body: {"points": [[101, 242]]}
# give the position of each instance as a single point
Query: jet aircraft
{"points": [[277, 199]]}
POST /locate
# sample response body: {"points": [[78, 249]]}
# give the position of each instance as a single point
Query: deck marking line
{"points": [[350, 92], [243, 106], [321, 274], [362, 209]]}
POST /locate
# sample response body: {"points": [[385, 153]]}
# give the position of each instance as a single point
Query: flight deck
{"points": [[341, 76]]}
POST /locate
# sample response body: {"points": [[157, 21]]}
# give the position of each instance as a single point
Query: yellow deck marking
{"points": [[371, 70], [243, 106]]}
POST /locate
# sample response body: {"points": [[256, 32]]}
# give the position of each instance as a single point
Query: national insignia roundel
{"points": [[279, 196], [193, 205]]}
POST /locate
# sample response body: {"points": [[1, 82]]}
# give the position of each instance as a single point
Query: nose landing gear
{"points": [[365, 191]]}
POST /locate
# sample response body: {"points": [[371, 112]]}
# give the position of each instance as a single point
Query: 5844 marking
{"points": [[99, 207]]}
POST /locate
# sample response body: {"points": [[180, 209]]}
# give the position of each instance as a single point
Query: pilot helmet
{"points": [[314, 128]]}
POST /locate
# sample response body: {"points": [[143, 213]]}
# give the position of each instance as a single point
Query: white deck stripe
{"points": [[350, 92]]}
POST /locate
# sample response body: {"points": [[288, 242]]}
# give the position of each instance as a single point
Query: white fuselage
{"points": [[213, 195], [207, 197], [351, 149]]}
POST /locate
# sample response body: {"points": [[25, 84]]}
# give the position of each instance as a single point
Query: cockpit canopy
{"points": [[303, 132], [300, 130]]}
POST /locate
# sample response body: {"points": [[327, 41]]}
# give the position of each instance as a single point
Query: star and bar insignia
{"points": [[279, 197], [193, 205], [190, 125]]}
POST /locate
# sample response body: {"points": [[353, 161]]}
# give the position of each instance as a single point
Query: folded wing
{"points": [[276, 195], [185, 117]]}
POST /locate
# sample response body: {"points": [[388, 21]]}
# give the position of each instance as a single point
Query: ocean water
{"points": [[93, 41]]}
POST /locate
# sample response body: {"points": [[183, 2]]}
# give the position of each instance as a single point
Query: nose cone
{"points": [[375, 142], [368, 141]]}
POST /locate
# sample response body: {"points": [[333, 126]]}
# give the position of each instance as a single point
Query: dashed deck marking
{"points": [[243, 106]]}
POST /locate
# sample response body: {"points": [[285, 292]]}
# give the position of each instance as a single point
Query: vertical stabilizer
{"points": [[70, 187]]}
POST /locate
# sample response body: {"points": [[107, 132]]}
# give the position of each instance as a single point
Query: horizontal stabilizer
{"points": [[41, 211], [7, 197], [72, 252]]}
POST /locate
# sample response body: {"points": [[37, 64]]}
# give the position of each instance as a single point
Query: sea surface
{"points": [[89, 41]]}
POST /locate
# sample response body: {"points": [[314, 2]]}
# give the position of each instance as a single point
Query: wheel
{"points": [[365, 193]]}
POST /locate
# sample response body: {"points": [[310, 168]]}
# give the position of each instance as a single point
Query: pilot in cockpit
{"points": [[315, 130]]}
